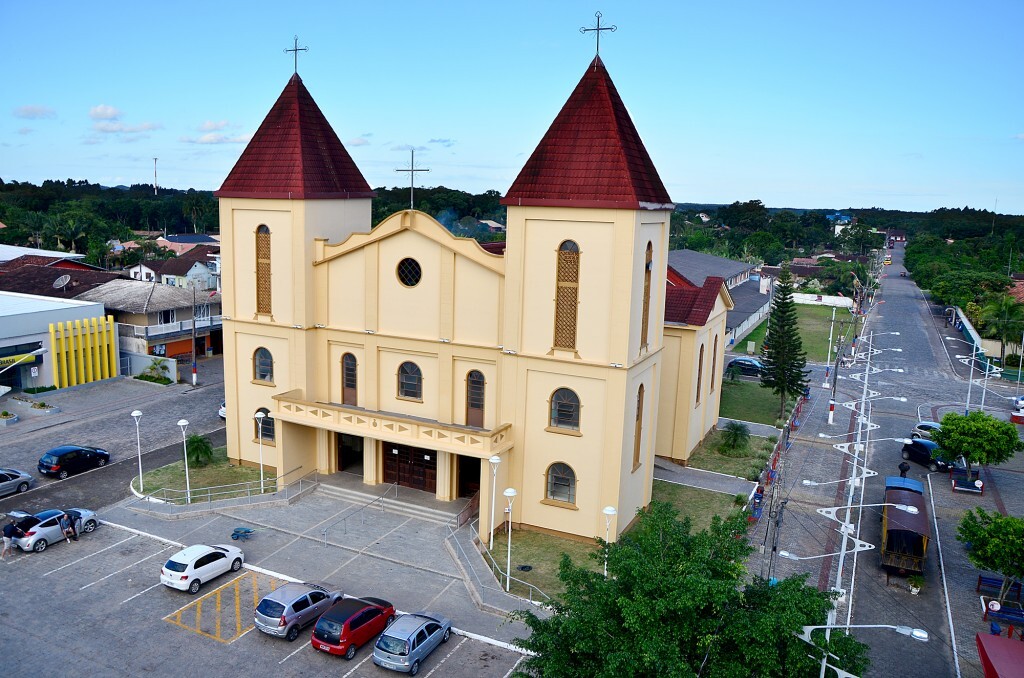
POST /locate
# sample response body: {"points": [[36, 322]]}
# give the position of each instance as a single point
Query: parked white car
{"points": [[190, 568]]}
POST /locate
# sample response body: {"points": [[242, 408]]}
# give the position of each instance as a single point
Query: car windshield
{"points": [[175, 566], [393, 645], [328, 630], [48, 459], [270, 608]]}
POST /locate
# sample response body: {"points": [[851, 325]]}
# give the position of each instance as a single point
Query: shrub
{"points": [[39, 389], [200, 450], [1012, 360], [740, 500], [735, 439], [5, 415]]}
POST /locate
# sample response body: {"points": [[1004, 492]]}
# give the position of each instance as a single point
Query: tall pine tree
{"points": [[783, 352]]}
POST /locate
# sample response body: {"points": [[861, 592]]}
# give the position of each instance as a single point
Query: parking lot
{"points": [[122, 621]]}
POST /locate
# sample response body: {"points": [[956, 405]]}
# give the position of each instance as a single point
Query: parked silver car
{"points": [[289, 608], [43, 529], [406, 643], [924, 429], [12, 480]]}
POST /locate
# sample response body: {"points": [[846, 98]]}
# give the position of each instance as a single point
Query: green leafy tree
{"points": [[200, 450], [1003, 316], [782, 352], [996, 544], [979, 438], [675, 603]]}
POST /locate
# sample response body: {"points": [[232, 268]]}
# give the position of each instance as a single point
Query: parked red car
{"points": [[351, 623]]}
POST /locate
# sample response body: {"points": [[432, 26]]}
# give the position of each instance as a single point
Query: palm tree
{"points": [[735, 436], [1005, 316]]}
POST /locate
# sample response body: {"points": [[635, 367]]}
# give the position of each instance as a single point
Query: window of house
{"points": [[475, 399], [266, 430], [166, 317], [263, 270], [638, 426], [700, 371], [565, 409], [409, 272], [714, 367], [201, 311], [349, 379], [646, 315], [262, 365], [561, 483], [567, 295], [410, 381]]}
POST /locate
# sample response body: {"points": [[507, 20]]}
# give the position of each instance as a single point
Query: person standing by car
{"points": [[11, 531]]}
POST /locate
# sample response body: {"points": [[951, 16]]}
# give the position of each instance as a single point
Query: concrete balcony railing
{"points": [[167, 329]]}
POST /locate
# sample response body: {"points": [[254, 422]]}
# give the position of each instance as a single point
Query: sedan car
{"points": [[291, 607], [409, 640], [223, 411], [43, 529], [14, 481], [924, 429], [921, 451], [62, 461], [748, 366], [350, 624], [190, 568]]}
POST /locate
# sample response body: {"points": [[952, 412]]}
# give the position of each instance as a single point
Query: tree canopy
{"points": [[979, 438], [996, 544], [675, 603], [782, 352]]}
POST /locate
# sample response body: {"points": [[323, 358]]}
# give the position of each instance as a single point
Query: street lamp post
{"points": [[858, 546], [510, 495], [805, 635], [137, 415], [609, 513], [495, 460], [260, 416], [970, 377], [183, 423]]}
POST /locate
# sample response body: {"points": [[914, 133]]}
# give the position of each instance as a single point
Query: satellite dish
{"points": [[61, 281]]}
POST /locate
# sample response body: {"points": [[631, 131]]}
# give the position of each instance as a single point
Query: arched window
{"points": [[565, 409], [714, 367], [264, 429], [263, 270], [475, 399], [561, 483], [638, 426], [700, 372], [567, 295], [349, 379], [410, 381], [648, 265], [262, 365]]}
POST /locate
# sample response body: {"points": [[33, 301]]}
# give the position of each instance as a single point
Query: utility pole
{"points": [[154, 179], [195, 377]]}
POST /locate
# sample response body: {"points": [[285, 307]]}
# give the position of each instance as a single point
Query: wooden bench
{"points": [[1013, 615], [996, 584]]}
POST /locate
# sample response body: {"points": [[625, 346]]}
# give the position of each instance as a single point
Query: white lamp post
{"points": [[495, 460], [609, 513], [183, 423], [260, 416], [970, 377], [510, 494], [137, 414]]}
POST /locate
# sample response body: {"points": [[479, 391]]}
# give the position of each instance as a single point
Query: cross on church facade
{"points": [[295, 50], [597, 31], [412, 174]]}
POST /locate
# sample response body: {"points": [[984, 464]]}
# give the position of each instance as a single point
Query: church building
{"points": [[415, 357]]}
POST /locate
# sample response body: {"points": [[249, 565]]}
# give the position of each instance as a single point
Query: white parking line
{"points": [[117, 572], [297, 650], [182, 536], [141, 592], [430, 605], [356, 667], [88, 556], [513, 669], [440, 663]]}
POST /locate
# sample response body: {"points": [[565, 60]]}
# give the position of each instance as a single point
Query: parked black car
{"points": [[920, 451], [750, 367], [65, 460]]}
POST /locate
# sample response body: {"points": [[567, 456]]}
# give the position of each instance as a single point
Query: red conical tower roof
{"points": [[591, 156], [296, 155]]}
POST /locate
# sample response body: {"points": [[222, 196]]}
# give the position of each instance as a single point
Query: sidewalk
{"points": [[701, 479]]}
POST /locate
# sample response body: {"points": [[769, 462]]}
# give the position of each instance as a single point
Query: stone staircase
{"points": [[391, 504]]}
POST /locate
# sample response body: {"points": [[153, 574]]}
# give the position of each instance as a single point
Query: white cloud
{"points": [[1019, 136], [104, 112], [121, 128], [32, 112], [24, 130], [213, 138], [447, 143], [358, 141], [213, 125]]}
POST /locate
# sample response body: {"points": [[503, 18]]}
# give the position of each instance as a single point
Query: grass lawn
{"points": [[814, 323], [696, 504], [218, 472], [749, 401], [542, 552], [756, 336], [707, 456]]}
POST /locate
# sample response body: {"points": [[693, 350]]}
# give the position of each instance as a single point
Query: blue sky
{"points": [[909, 105]]}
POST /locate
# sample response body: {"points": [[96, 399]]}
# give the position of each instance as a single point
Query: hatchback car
{"points": [[748, 366], [350, 624], [43, 529], [14, 481], [289, 608], [62, 461], [409, 640], [924, 429], [190, 568], [920, 451]]}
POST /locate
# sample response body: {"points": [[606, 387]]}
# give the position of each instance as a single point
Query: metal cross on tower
{"points": [[412, 174], [597, 30], [295, 50]]}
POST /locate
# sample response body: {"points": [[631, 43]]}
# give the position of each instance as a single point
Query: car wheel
{"points": [[390, 620], [446, 636], [89, 526], [22, 488], [193, 588], [915, 436], [350, 653], [39, 546], [933, 467], [62, 475], [293, 633], [906, 455], [414, 669], [101, 462], [236, 565]]}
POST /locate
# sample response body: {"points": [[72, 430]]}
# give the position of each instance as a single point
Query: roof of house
{"points": [[692, 305], [40, 280], [697, 266], [295, 154], [591, 156], [137, 296], [201, 252], [8, 252], [497, 247], [178, 266], [1017, 290], [192, 239]]}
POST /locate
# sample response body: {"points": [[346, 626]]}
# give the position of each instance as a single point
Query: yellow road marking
{"points": [[221, 621]]}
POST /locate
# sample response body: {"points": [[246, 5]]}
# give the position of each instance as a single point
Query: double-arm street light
{"points": [[805, 635], [858, 546], [989, 369]]}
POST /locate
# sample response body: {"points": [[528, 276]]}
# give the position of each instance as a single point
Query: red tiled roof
{"points": [[37, 260], [591, 156], [33, 279], [1017, 290], [692, 305], [675, 278], [497, 247], [295, 155]]}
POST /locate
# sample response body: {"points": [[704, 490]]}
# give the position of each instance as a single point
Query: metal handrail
{"points": [[294, 488], [358, 510], [173, 495], [494, 567]]}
